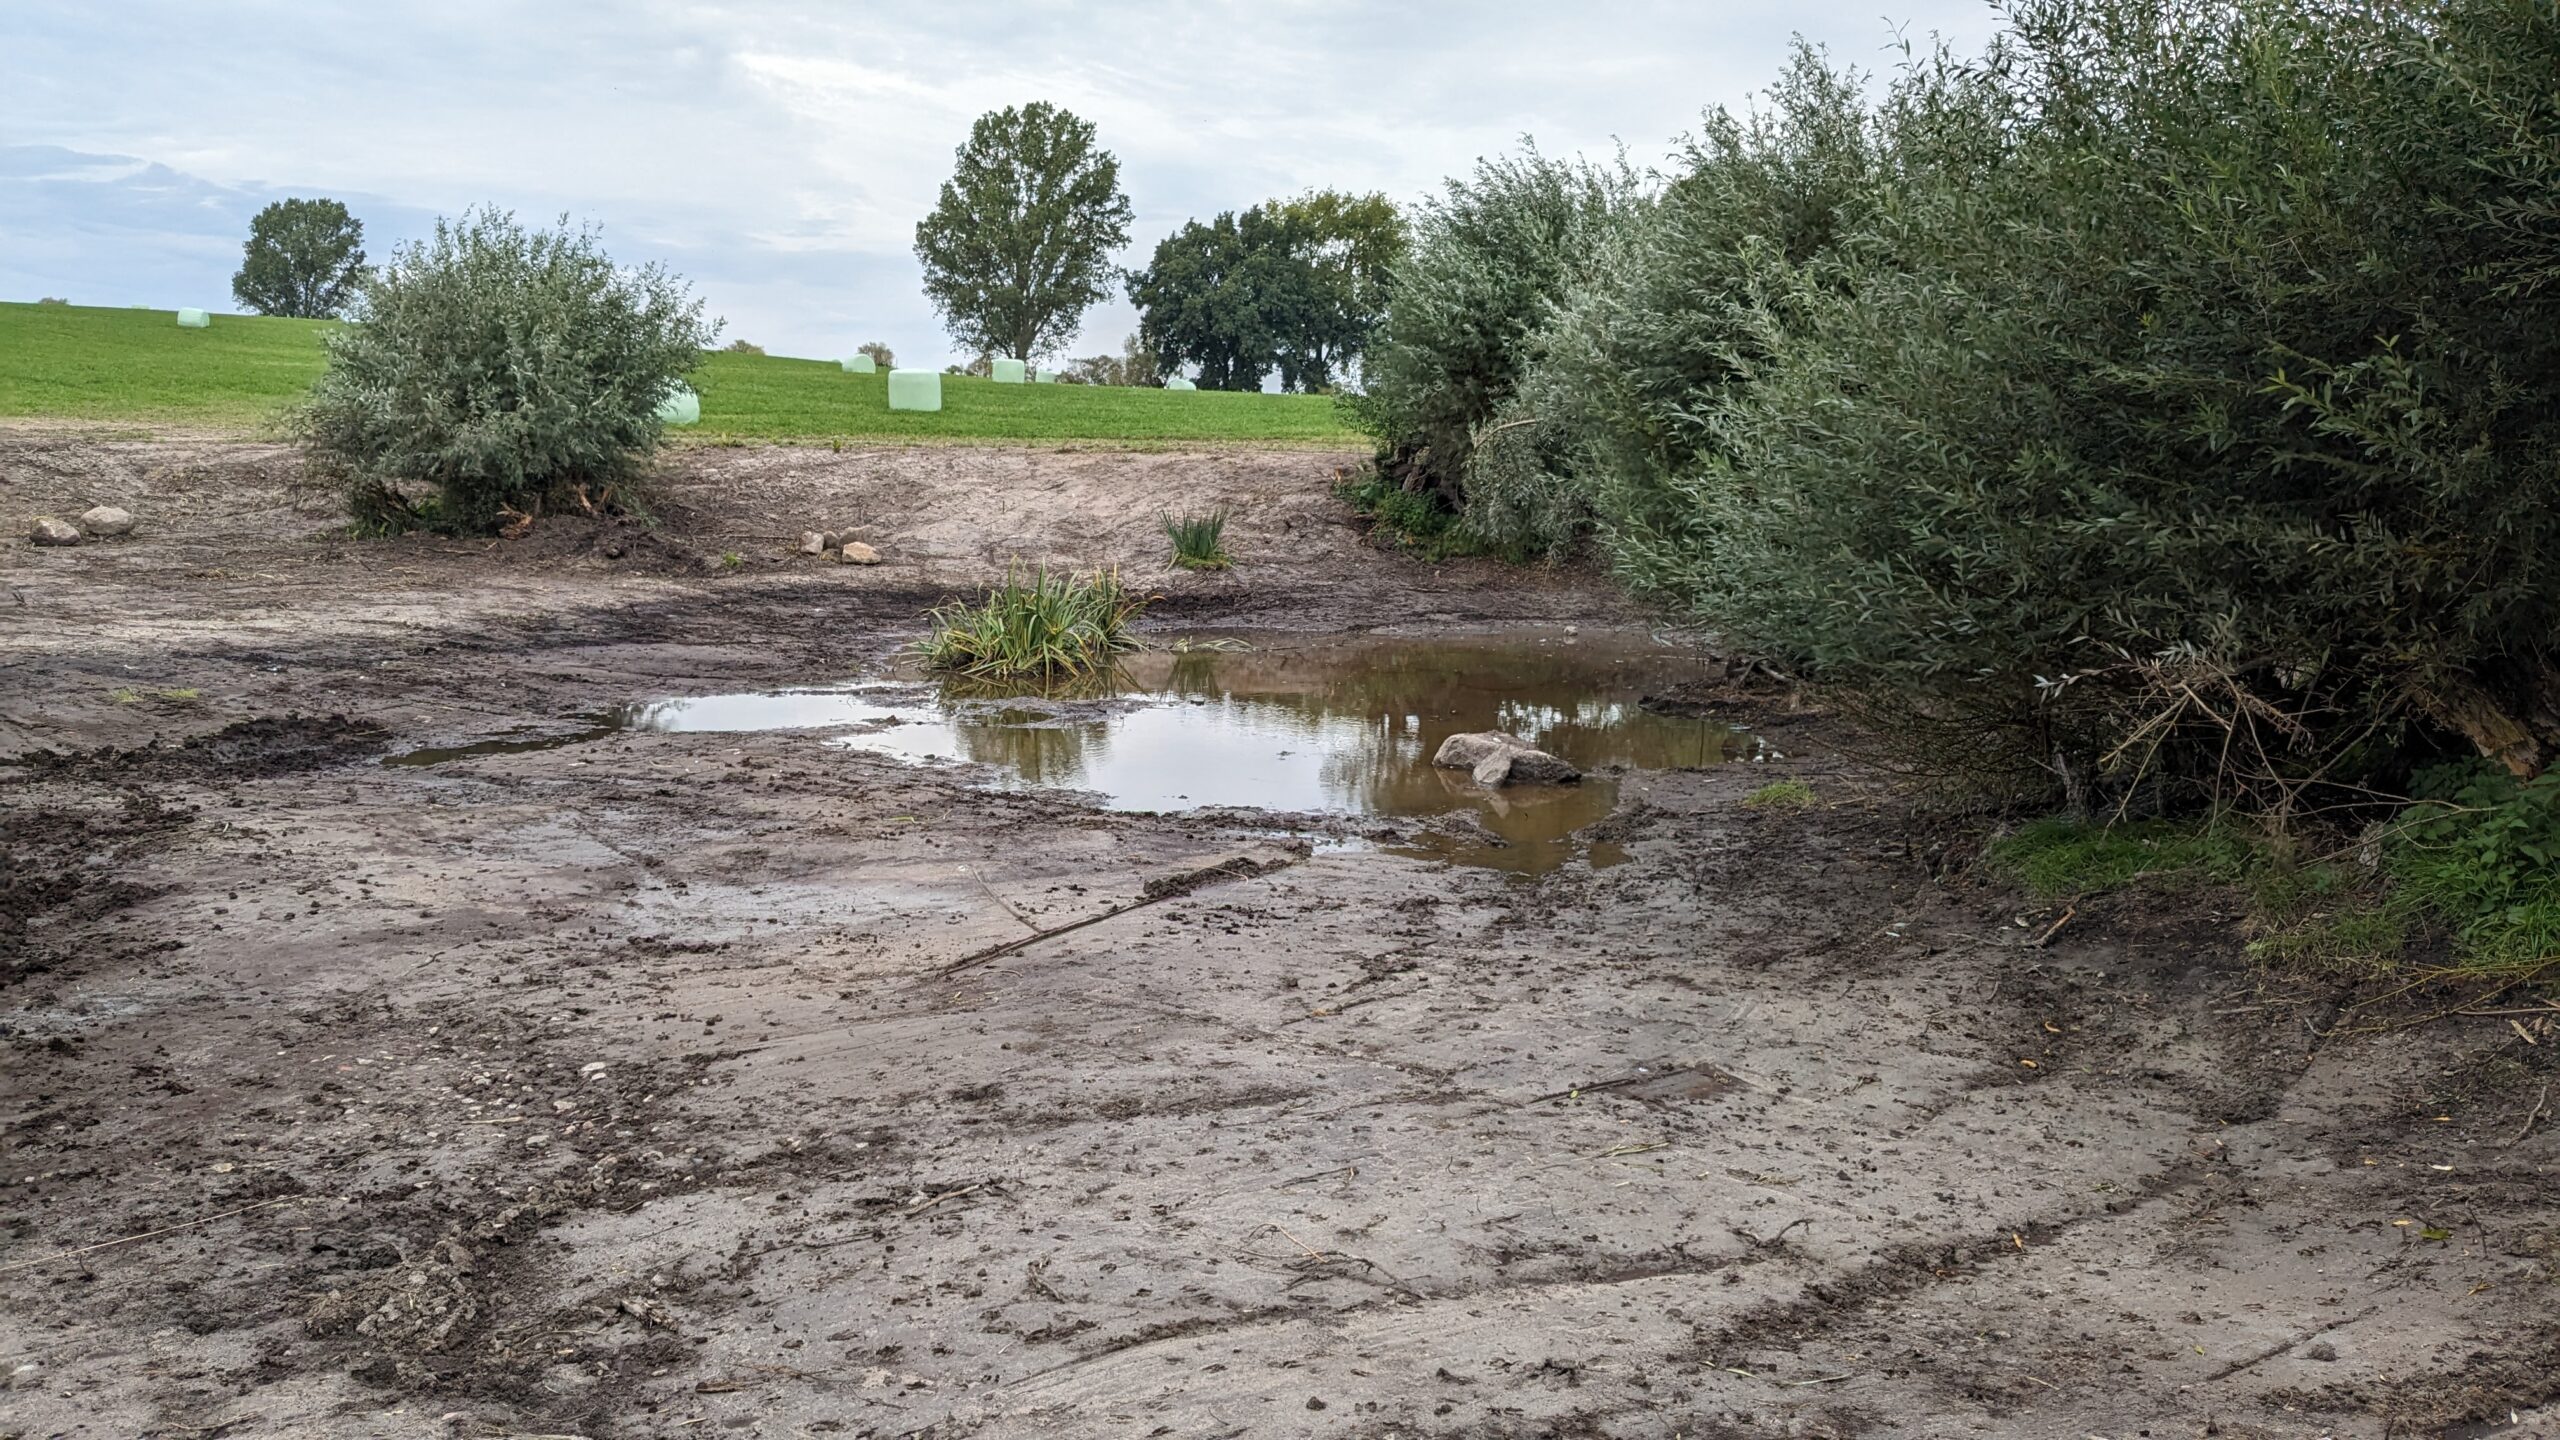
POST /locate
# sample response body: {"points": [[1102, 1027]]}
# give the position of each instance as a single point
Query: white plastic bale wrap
{"points": [[1179, 383], [915, 389], [1006, 371], [194, 319], [862, 365], [681, 407]]}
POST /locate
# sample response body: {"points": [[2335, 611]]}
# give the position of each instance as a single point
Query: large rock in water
{"points": [[49, 531], [107, 520], [1498, 759]]}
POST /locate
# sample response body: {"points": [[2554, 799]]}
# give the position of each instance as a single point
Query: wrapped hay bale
{"points": [[915, 389], [681, 407], [193, 319], [1179, 383], [1006, 371], [862, 365]]}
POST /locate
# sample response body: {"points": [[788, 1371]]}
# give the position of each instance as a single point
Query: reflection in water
{"points": [[1348, 728]]}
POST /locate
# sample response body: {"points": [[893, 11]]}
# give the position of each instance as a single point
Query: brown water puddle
{"points": [[1345, 726]]}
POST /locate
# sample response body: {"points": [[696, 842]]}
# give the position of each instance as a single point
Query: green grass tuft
{"points": [[82, 362], [180, 695], [1416, 522], [2064, 858], [1785, 796], [2360, 938], [2477, 863], [1199, 541], [2481, 855], [1053, 627]]}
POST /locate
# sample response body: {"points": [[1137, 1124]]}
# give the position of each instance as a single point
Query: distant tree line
{"points": [[1017, 247], [1293, 286], [1019, 244]]}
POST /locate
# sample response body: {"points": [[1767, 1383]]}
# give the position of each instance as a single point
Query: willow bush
{"points": [[2214, 425], [493, 368], [1621, 384], [2165, 401], [1488, 260]]}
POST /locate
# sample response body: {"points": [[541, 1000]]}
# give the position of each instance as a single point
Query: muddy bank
{"points": [[237, 582], [676, 1083]]}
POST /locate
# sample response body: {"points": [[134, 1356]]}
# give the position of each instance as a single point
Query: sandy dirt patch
{"points": [[686, 1084]]}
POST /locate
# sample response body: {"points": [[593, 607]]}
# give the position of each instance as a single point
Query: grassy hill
{"points": [[76, 362], [82, 363]]}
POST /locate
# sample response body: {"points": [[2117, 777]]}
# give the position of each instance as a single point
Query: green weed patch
{"points": [[1049, 628]]}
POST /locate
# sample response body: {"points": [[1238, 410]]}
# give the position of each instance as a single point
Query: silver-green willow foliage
{"points": [[1619, 386], [1489, 259], [492, 367], [2170, 342]]}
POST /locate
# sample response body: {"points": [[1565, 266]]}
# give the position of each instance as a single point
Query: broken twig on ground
{"points": [[2055, 928], [2532, 1115], [1242, 867], [148, 1234]]}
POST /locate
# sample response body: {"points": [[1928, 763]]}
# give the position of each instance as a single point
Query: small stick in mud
{"points": [[1774, 1241], [1344, 1170], [148, 1234], [2532, 1115], [920, 1206], [1312, 1253], [1242, 867], [2251, 1362], [1003, 903], [2055, 928]]}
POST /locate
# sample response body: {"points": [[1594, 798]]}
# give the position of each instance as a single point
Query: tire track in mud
{"points": [[1911, 1267]]}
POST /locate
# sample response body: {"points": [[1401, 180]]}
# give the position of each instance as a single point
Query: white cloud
{"points": [[780, 153]]}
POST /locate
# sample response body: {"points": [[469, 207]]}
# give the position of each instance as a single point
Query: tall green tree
{"points": [[1352, 243], [1228, 297], [303, 257], [1294, 286], [1020, 242]]}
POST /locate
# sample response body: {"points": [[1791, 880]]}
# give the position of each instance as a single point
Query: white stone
{"points": [[107, 520]]}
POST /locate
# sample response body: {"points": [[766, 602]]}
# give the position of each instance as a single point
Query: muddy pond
{"points": [[1347, 727]]}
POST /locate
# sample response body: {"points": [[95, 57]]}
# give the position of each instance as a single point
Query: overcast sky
{"points": [[779, 154]]}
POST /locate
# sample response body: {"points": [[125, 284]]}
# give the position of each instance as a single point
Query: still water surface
{"points": [[1347, 727]]}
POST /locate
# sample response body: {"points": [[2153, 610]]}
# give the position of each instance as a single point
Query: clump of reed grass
{"points": [[1050, 627], [1199, 541]]}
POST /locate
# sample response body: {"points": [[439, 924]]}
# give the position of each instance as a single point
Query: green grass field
{"points": [[76, 362], [136, 367]]}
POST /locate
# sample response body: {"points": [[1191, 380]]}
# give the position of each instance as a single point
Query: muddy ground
{"points": [[680, 1085]]}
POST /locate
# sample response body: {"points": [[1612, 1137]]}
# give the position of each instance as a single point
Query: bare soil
{"points": [[680, 1085]]}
